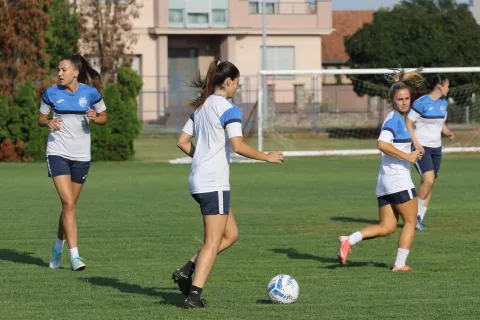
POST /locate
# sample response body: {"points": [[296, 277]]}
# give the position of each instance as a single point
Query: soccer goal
{"points": [[340, 111]]}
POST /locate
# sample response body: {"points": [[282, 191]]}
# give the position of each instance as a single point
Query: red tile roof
{"points": [[346, 23]]}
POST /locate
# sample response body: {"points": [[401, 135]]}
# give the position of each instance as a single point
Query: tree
{"points": [[418, 33], [62, 33], [22, 42], [107, 33]]}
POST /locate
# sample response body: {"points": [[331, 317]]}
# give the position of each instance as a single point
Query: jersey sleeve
{"points": [[97, 101], [231, 121], [189, 127], [389, 130], [45, 104], [416, 111]]}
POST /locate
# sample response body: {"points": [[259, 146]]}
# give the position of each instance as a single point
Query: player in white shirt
{"points": [[426, 123], [395, 190], [76, 106], [216, 125]]}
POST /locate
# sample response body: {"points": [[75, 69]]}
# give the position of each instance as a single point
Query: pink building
{"points": [[177, 37]]}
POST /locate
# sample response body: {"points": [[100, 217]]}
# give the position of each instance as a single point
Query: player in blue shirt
{"points": [[217, 126], [395, 190], [75, 106], [426, 123]]}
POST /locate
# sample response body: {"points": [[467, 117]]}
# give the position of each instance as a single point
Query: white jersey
{"points": [[394, 174], [72, 140], [429, 116], [213, 125]]}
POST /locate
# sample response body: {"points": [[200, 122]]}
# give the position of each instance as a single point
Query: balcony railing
{"points": [[283, 7]]}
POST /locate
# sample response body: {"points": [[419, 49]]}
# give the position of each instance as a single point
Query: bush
{"points": [[114, 141]]}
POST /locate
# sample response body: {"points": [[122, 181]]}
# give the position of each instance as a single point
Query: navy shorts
{"points": [[430, 161], [59, 166], [396, 198], [211, 203]]}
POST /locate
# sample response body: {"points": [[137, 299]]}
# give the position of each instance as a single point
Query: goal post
{"points": [[295, 104]]}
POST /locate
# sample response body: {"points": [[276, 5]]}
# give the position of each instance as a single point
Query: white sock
{"points": [[402, 255], [355, 238], [59, 243], [73, 253], [421, 204], [422, 213]]}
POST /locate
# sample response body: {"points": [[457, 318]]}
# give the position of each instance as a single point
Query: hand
{"points": [[418, 147], [450, 135], [275, 157], [414, 156], [91, 114], [54, 124]]}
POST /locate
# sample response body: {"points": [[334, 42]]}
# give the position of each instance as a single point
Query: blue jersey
{"points": [[72, 140], [394, 175], [429, 116]]}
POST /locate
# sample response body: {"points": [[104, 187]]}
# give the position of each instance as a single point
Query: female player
{"points": [[426, 123], [75, 106], [395, 190], [216, 124]]}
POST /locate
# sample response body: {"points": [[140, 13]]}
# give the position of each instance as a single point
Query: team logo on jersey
{"points": [[443, 109], [83, 102]]}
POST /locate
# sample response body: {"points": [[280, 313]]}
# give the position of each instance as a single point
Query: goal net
{"points": [[340, 111]]}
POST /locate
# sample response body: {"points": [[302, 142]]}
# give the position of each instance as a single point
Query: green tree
{"points": [[62, 33], [417, 33]]}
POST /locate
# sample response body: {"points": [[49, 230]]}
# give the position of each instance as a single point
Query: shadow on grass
{"points": [[294, 254], [169, 298], [359, 220], [21, 257]]}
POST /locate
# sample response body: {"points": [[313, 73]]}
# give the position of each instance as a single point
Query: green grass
{"points": [[137, 223]]}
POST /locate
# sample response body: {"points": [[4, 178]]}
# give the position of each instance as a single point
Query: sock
{"points": [[195, 293], [421, 204], [73, 252], [402, 255], [355, 238], [422, 213], [189, 268], [59, 243]]}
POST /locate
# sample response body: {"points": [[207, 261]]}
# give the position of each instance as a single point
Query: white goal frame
{"points": [[262, 74]]}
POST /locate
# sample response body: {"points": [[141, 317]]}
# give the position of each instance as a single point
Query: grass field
{"points": [[137, 223]]}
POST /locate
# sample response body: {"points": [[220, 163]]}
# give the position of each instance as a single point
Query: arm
{"points": [[54, 124], [240, 147], [409, 122], [446, 131], [389, 149], [185, 144], [97, 118]]}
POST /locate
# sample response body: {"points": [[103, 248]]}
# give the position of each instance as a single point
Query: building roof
{"points": [[346, 23]]}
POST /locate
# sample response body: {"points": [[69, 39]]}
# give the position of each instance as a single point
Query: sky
{"points": [[367, 4]]}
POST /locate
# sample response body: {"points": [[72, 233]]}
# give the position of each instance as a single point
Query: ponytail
{"points": [[404, 80], [217, 73], [87, 74]]}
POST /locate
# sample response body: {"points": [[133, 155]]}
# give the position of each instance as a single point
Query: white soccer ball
{"points": [[283, 289]]}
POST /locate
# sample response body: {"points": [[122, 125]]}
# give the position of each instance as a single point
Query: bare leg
{"points": [[386, 226]]}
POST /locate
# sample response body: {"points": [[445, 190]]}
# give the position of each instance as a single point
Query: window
{"points": [[219, 16], [198, 18], [175, 15], [255, 7], [281, 58]]}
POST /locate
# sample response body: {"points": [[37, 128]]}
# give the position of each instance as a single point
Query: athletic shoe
{"points": [[404, 268], [184, 281], [56, 259], [344, 248], [77, 264], [420, 225], [192, 304]]}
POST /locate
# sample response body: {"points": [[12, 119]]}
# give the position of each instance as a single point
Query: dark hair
{"points": [[403, 80], [87, 74], [217, 73], [436, 80]]}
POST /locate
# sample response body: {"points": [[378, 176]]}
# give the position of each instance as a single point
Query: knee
{"points": [[68, 205], [231, 238], [388, 230], [428, 181]]}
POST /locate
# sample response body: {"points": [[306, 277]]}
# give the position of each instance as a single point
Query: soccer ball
{"points": [[283, 289]]}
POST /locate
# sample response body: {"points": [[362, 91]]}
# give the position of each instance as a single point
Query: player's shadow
{"points": [[168, 296], [294, 254], [359, 220], [21, 257]]}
